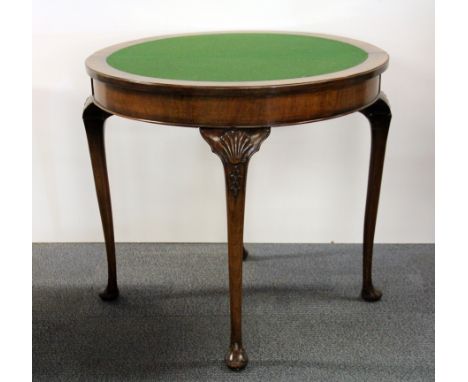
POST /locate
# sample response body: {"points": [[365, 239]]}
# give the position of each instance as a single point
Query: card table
{"points": [[234, 87]]}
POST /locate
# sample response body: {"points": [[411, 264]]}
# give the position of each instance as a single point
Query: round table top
{"points": [[241, 79], [233, 59]]}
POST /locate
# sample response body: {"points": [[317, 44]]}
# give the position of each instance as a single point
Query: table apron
{"points": [[275, 109]]}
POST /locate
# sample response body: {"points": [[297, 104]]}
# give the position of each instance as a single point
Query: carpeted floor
{"points": [[303, 320]]}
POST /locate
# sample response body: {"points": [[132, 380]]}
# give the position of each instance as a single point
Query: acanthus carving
{"points": [[234, 179]]}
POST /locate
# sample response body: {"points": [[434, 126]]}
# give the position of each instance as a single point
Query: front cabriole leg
{"points": [[235, 147], [379, 116]]}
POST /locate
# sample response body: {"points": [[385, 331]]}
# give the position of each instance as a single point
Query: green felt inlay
{"points": [[237, 57]]}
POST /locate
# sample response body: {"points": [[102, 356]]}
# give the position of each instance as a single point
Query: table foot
{"points": [[237, 358], [109, 294], [371, 294]]}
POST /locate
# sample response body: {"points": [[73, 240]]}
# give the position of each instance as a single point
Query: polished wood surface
{"points": [[379, 116], [97, 67], [244, 104], [94, 119], [234, 119], [280, 107], [235, 147]]}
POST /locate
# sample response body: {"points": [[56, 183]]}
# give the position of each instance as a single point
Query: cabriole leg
{"points": [[235, 148], [94, 120], [379, 116]]}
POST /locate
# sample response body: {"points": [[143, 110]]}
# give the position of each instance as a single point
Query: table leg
{"points": [[235, 147], [94, 119], [379, 116]]}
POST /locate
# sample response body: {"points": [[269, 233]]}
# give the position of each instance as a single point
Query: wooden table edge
{"points": [[98, 68]]}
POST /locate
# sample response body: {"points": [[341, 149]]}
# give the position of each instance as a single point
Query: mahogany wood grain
{"points": [[243, 104], [98, 68], [245, 109], [94, 119], [379, 116], [235, 118], [235, 147]]}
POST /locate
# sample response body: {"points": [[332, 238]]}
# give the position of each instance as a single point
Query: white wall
{"points": [[307, 183]]}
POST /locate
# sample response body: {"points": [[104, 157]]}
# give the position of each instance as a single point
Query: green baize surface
{"points": [[229, 57]]}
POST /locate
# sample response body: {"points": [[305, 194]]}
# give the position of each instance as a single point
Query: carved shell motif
{"points": [[236, 146]]}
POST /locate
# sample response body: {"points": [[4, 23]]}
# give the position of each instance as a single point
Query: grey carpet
{"points": [[303, 320]]}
